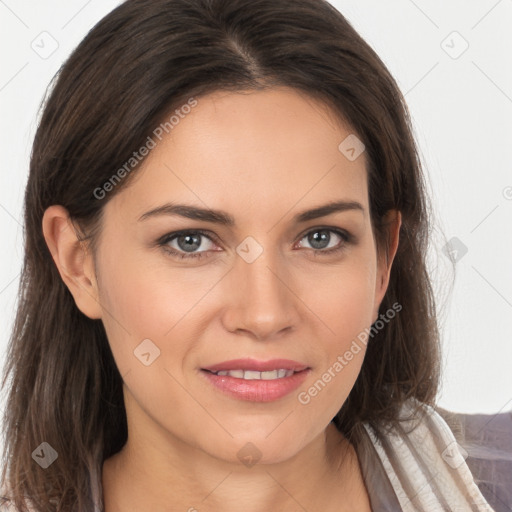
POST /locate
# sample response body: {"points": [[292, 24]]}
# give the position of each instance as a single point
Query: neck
{"points": [[145, 477]]}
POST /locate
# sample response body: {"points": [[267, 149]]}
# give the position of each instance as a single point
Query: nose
{"points": [[262, 302]]}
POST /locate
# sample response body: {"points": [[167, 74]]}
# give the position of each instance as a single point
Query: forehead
{"points": [[251, 152]]}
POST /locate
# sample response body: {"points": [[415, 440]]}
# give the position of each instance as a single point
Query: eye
{"points": [[186, 243], [322, 241]]}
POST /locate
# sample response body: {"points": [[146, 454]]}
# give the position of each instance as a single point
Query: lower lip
{"points": [[257, 390]]}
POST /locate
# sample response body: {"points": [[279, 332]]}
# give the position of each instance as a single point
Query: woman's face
{"points": [[251, 289]]}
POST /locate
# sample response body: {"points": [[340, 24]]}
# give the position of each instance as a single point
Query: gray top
{"points": [[486, 444]]}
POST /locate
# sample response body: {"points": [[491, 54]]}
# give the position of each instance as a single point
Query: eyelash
{"points": [[346, 237]]}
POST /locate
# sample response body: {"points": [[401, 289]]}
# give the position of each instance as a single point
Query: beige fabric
{"points": [[425, 465]]}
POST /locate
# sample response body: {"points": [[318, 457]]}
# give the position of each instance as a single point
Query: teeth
{"points": [[239, 374], [253, 375]]}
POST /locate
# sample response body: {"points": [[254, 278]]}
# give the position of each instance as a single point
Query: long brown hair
{"points": [[134, 68]]}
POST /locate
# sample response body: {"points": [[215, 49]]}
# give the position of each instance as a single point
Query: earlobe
{"points": [[74, 263]]}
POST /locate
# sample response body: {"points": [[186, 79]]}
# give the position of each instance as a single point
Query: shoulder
{"points": [[487, 443], [424, 462]]}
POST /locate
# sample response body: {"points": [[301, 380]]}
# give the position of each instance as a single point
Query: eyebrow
{"points": [[225, 219]]}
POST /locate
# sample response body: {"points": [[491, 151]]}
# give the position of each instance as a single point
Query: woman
{"points": [[225, 303]]}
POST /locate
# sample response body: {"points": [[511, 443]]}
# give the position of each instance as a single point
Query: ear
{"points": [[74, 263], [392, 222]]}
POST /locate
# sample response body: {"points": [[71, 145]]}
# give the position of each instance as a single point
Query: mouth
{"points": [[254, 375], [257, 381]]}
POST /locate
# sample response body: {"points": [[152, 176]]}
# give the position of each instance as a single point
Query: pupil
{"points": [[316, 239], [191, 242]]}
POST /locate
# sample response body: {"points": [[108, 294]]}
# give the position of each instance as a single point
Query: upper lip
{"points": [[259, 366]]}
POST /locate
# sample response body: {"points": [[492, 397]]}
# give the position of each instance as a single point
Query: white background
{"points": [[461, 107]]}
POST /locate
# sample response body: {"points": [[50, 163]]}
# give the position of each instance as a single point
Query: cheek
{"points": [[344, 305], [143, 300], [342, 297], [143, 295]]}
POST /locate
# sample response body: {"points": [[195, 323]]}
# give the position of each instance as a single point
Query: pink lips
{"points": [[257, 390]]}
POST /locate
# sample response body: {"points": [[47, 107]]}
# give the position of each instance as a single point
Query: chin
{"points": [[256, 449]]}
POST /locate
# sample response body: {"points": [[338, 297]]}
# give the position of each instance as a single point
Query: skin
{"points": [[262, 157]]}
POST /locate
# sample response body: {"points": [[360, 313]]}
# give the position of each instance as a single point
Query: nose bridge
{"points": [[262, 302]]}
